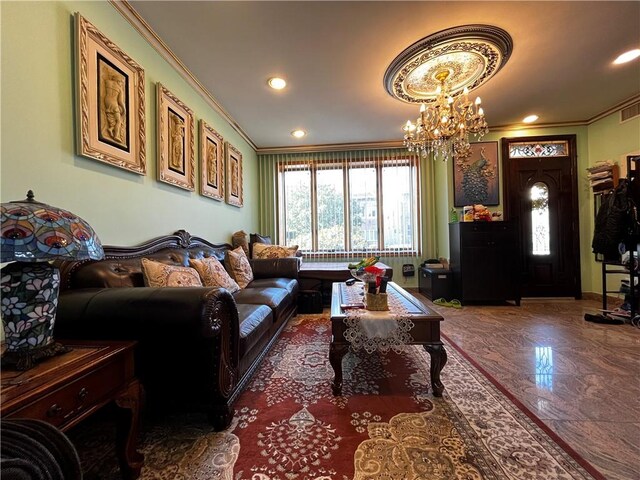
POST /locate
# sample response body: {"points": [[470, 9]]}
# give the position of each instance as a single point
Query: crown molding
{"points": [[129, 13], [615, 108], [334, 147], [532, 126]]}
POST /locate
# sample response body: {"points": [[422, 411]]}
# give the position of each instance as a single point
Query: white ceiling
{"points": [[334, 56]]}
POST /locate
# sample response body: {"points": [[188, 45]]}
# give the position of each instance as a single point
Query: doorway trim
{"points": [[507, 207]]}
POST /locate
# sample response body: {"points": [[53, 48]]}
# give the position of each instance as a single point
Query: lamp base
{"points": [[24, 360]]}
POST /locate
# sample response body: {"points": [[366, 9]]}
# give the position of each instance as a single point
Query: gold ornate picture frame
{"points": [[233, 172], [211, 162], [175, 141], [110, 104]]}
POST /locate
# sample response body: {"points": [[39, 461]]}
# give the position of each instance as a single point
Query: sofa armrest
{"points": [[287, 267], [188, 338]]}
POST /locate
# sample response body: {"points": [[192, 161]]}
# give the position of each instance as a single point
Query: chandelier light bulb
{"points": [[480, 111], [465, 92], [423, 107], [478, 101]]}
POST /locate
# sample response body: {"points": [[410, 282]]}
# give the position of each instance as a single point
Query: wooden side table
{"points": [[66, 389]]}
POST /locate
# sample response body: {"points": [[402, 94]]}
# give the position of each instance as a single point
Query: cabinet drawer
{"points": [[71, 400]]}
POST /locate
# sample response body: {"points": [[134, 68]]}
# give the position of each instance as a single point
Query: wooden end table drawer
{"points": [[73, 399]]}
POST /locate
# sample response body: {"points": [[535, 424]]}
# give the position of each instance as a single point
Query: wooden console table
{"points": [[65, 389]]}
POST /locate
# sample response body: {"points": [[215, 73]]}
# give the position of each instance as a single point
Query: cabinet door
{"points": [[506, 251], [477, 273], [488, 262]]}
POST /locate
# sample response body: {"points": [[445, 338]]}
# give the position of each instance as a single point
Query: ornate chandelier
{"points": [[438, 72], [444, 127]]}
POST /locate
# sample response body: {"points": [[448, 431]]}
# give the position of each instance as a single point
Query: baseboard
{"points": [[598, 297]]}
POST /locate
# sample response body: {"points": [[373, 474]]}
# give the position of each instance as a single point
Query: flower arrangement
{"points": [[366, 270]]}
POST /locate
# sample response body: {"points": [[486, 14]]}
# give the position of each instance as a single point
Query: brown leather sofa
{"points": [[197, 346]]}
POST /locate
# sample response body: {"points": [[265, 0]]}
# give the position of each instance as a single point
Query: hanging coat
{"points": [[613, 222]]}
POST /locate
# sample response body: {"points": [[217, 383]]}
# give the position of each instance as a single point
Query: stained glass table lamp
{"points": [[33, 234]]}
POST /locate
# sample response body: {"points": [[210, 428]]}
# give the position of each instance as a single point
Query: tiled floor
{"points": [[580, 378]]}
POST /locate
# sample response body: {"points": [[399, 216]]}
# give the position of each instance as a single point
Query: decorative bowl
{"points": [[360, 274]]}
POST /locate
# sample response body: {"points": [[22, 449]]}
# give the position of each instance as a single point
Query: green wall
{"points": [[606, 139], [609, 140], [38, 132]]}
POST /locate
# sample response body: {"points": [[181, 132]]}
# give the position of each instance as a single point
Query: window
{"points": [[349, 206], [297, 201], [540, 219], [330, 188]]}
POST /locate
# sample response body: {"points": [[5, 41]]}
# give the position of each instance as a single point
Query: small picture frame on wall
{"points": [[175, 141], [211, 162], [110, 106], [475, 177], [233, 190]]}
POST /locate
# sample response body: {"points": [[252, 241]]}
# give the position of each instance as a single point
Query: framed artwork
{"points": [[211, 162], [475, 177], [233, 173], [110, 105], [175, 137]]}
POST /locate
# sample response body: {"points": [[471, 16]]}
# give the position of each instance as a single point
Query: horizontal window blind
{"points": [[346, 204]]}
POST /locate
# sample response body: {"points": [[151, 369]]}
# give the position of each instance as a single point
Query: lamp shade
{"points": [[36, 232]]}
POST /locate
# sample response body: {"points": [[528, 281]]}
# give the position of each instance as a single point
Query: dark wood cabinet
{"points": [[484, 261]]}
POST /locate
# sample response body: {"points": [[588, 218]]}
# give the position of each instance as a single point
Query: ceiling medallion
{"points": [[438, 72], [472, 54]]}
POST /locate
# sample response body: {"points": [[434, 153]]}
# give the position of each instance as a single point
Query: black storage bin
{"points": [[310, 301], [435, 283]]}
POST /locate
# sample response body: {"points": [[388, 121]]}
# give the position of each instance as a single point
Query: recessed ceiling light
{"points": [[627, 56], [530, 118], [277, 83], [298, 133]]}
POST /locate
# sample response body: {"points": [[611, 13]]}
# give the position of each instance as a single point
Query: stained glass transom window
{"points": [[559, 148]]}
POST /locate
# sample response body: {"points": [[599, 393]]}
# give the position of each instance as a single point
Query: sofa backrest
{"points": [[122, 266]]}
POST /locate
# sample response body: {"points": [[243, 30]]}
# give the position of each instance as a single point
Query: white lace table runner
{"points": [[376, 330]]}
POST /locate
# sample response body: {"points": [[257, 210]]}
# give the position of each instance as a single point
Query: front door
{"points": [[540, 191]]}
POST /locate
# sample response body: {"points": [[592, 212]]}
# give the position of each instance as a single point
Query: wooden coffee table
{"points": [[425, 332]]}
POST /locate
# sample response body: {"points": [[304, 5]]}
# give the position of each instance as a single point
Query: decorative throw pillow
{"points": [[213, 274], [257, 238], [158, 274], [261, 250], [240, 239], [239, 266]]}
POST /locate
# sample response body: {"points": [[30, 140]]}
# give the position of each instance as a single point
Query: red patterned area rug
{"points": [[386, 425]]}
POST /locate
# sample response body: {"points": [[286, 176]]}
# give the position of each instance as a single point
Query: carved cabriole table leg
{"points": [[336, 353], [130, 459], [438, 360]]}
